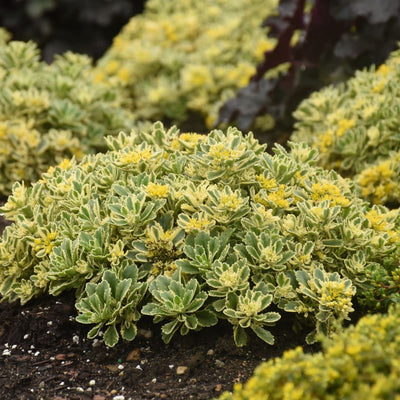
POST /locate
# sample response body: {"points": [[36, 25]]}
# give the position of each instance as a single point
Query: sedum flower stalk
{"points": [[273, 234]]}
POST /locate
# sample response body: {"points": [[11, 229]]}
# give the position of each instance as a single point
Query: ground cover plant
{"points": [[355, 127], [359, 362], [183, 59], [50, 112], [192, 229]]}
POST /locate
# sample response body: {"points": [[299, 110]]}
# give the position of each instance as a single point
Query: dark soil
{"points": [[44, 354]]}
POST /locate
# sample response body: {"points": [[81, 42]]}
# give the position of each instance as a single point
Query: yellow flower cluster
{"points": [[45, 243], [155, 190], [379, 182], [134, 157], [187, 56], [328, 191]]}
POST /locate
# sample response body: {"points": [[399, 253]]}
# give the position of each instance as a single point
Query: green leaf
{"points": [[263, 334], [129, 333], [206, 318], [239, 336], [111, 336], [94, 331], [332, 242]]}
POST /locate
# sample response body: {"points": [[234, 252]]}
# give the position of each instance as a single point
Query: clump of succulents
{"points": [[51, 112], [360, 362], [355, 127], [181, 58], [191, 229]]}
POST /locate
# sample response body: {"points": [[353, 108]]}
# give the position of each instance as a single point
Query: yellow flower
{"points": [[379, 86], [124, 75], [3, 129], [344, 125], [230, 201], [112, 66], [46, 242], [267, 183], [328, 191], [65, 164], [383, 70], [155, 190], [325, 141], [196, 76], [378, 221], [134, 157], [278, 197]]}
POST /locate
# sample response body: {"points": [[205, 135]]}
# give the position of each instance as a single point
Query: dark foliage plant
{"points": [[336, 38], [59, 25]]}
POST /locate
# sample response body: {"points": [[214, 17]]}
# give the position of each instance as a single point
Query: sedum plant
{"points": [[355, 128], [51, 112], [191, 229], [360, 362], [188, 57]]}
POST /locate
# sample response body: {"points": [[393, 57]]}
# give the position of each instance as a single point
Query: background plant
{"points": [[360, 361], [354, 126], [268, 235], [51, 112], [185, 59], [355, 34]]}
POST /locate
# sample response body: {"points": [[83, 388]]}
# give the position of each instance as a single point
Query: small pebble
{"points": [[26, 336], [80, 389], [6, 352], [75, 339], [210, 352], [181, 370], [120, 397], [92, 382]]}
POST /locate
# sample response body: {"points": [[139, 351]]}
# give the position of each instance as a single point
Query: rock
{"points": [[134, 355], [181, 370]]}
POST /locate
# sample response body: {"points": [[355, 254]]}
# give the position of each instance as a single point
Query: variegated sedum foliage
{"points": [[360, 363], [355, 127], [190, 229], [50, 112], [188, 56]]}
